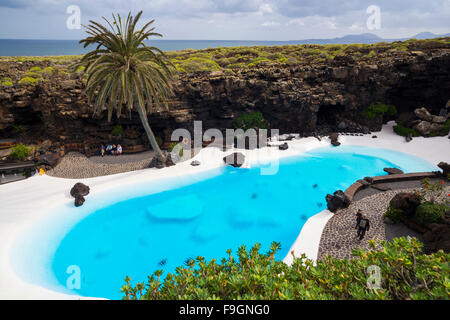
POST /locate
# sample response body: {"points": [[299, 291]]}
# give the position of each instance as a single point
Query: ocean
{"points": [[72, 47]]}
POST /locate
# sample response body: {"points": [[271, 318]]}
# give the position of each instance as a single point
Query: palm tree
{"points": [[123, 71]]}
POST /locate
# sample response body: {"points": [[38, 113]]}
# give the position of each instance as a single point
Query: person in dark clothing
{"points": [[358, 218], [364, 225]]}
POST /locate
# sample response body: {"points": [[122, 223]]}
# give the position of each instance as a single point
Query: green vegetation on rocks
{"points": [[117, 131], [7, 81], [405, 131], [405, 273], [254, 120], [395, 215], [19, 152], [232, 59], [379, 109], [429, 212], [28, 81], [444, 130]]}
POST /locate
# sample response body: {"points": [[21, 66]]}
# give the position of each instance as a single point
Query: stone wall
{"points": [[313, 99]]}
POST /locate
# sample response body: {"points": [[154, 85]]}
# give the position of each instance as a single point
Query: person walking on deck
{"points": [[358, 218], [363, 227]]}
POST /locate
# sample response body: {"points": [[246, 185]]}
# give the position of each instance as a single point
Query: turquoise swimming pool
{"points": [[163, 230]]}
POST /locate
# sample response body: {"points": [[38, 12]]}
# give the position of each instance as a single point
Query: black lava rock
{"points": [[283, 146], [337, 201], [235, 159], [393, 171], [79, 190]]}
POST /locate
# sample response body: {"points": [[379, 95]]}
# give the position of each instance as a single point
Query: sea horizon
{"points": [[42, 47], [55, 47]]}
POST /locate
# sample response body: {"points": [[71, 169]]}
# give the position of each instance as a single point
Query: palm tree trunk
{"points": [[149, 132]]}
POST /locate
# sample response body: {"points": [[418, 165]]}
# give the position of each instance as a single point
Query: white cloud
{"points": [[265, 8], [271, 24], [296, 21]]}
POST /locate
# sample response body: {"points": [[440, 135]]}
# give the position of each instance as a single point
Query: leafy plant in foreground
{"points": [[406, 273]]}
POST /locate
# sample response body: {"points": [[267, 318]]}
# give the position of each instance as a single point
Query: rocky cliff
{"points": [[312, 97]]}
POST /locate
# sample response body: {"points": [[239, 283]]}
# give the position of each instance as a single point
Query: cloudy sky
{"points": [[231, 19]]}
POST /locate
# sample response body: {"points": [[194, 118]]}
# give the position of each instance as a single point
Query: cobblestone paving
{"points": [[76, 166], [339, 235]]}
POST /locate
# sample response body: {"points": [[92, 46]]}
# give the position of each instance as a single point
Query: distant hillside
{"points": [[366, 38]]}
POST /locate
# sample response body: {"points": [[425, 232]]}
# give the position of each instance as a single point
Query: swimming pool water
{"points": [[240, 206]]}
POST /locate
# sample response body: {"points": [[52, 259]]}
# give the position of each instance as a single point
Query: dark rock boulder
{"points": [[337, 201], [393, 171], [407, 202], [408, 138], [169, 162], [157, 162], [335, 143], [235, 159], [79, 201], [283, 146], [445, 168], [49, 159], [423, 114], [437, 238], [79, 190], [334, 137], [195, 163]]}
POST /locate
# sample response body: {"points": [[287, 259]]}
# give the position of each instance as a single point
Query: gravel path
{"points": [[76, 166], [339, 235], [124, 158]]}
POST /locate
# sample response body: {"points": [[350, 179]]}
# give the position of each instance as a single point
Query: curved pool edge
{"points": [[308, 240], [22, 211]]}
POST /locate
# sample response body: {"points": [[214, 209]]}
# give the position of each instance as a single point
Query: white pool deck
{"points": [[24, 203]]}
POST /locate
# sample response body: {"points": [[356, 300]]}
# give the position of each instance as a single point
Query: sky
{"points": [[230, 19]]}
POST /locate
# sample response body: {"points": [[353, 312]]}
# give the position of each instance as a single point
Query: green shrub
{"points": [[35, 69], [254, 120], [194, 64], [80, 69], [371, 54], [7, 81], [19, 152], [429, 212], [34, 75], [405, 131], [117, 131], [395, 215], [28, 81], [48, 71], [443, 131], [406, 274], [258, 61], [380, 108]]}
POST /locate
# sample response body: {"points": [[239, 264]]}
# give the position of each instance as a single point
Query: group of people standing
{"points": [[111, 149]]}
